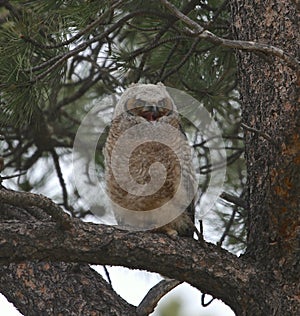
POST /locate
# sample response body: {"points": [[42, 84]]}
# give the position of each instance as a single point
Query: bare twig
{"points": [[1, 164], [227, 228], [259, 132], [183, 61], [80, 92], [200, 232], [107, 275], [198, 31], [144, 29], [170, 55], [151, 299], [205, 141], [60, 178], [13, 176], [155, 44], [205, 169], [234, 199], [203, 303]]}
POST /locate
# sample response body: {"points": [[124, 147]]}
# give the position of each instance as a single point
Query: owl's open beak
{"points": [[151, 113]]}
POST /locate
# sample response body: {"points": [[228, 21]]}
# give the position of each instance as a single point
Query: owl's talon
{"points": [[172, 233]]}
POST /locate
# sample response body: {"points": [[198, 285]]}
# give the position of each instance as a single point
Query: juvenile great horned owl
{"points": [[149, 174]]}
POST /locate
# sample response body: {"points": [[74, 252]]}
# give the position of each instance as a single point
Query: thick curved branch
{"points": [[43, 288], [205, 266], [26, 199]]}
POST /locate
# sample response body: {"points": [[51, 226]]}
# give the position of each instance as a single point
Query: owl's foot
{"points": [[167, 231], [171, 233]]}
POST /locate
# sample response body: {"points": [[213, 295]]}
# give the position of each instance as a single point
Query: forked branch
{"points": [[194, 29], [205, 266]]}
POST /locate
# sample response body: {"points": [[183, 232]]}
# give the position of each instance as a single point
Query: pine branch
{"points": [[234, 199], [198, 31], [77, 36], [80, 92], [214, 270], [44, 288], [155, 294], [183, 61], [26, 199], [61, 179], [259, 132], [54, 62]]}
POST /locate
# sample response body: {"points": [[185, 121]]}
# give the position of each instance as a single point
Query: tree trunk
{"points": [[270, 106]]}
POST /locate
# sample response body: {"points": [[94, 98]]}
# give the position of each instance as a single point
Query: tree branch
{"points": [[198, 31], [26, 199], [77, 36], [205, 266], [234, 199], [43, 288], [149, 302], [259, 132], [55, 61]]}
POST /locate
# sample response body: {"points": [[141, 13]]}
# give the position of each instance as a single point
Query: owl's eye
{"points": [[165, 103], [151, 111], [133, 103]]}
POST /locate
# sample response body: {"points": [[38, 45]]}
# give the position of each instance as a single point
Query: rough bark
{"points": [[44, 288], [33, 247], [270, 106], [40, 287], [203, 265]]}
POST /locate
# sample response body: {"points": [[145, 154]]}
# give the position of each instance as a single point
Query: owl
{"points": [[149, 173]]}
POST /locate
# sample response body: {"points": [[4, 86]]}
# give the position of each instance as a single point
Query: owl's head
{"points": [[149, 101]]}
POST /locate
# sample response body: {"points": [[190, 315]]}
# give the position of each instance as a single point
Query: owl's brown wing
{"points": [[184, 225], [190, 182]]}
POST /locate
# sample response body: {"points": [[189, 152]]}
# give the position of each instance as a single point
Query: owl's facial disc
{"points": [[149, 111]]}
